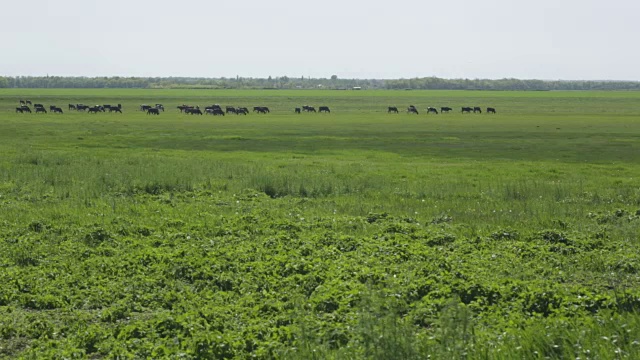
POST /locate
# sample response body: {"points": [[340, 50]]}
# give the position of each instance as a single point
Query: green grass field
{"points": [[355, 234]]}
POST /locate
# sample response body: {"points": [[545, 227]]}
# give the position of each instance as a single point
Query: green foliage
{"points": [[358, 234]]}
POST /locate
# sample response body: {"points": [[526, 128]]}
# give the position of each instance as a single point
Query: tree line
{"points": [[333, 82]]}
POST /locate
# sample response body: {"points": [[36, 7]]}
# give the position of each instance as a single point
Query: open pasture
{"points": [[350, 234]]}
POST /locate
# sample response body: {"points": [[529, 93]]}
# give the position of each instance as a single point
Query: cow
{"points": [[392, 109], [445, 109], [153, 111], [81, 107], [296, 110], [309, 108], [28, 102], [491, 110], [95, 109], [261, 109], [432, 110], [57, 110], [243, 111], [476, 109], [22, 102], [38, 106], [41, 109], [72, 107], [23, 109], [192, 111], [145, 107], [231, 109], [115, 109], [412, 110], [466, 110], [214, 111], [324, 109], [157, 106]]}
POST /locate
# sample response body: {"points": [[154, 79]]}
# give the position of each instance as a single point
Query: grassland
{"points": [[355, 234]]}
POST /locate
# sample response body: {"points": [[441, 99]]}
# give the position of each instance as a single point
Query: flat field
{"points": [[354, 234]]}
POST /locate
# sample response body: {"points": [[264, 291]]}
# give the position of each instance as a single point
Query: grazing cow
{"points": [[41, 110], [57, 110], [324, 109], [192, 111], [153, 111], [432, 110], [491, 110], [81, 107], [412, 110], [72, 107], [261, 109], [243, 111], [145, 107], [310, 109], [95, 109], [116, 109], [158, 106], [22, 102], [231, 109], [445, 109], [38, 106], [23, 109], [392, 109], [467, 110], [476, 109], [214, 111], [296, 110], [28, 102]]}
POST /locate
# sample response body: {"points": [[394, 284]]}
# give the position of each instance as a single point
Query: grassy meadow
{"points": [[349, 235]]}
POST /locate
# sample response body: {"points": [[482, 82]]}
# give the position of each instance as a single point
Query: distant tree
{"points": [[4, 82], [334, 77]]}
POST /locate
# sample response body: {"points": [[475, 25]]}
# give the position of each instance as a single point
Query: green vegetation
{"points": [[285, 82], [355, 234]]}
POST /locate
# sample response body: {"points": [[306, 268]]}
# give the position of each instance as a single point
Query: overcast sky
{"points": [[542, 39]]}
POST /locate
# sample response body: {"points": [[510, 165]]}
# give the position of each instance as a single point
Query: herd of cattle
{"points": [[465, 109], [216, 109]]}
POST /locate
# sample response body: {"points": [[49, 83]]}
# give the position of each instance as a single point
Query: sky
{"points": [[491, 39]]}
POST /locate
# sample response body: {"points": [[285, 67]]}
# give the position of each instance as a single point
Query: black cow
{"points": [[491, 110], [466, 110], [95, 109], [192, 111], [57, 110], [392, 109], [214, 111], [115, 109], [28, 102], [412, 110], [38, 106], [243, 111], [153, 111], [41, 110], [309, 108], [296, 110], [22, 102], [432, 110], [477, 109], [158, 106], [81, 107], [72, 107], [23, 109], [231, 109], [261, 109], [324, 109], [445, 109], [145, 107]]}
